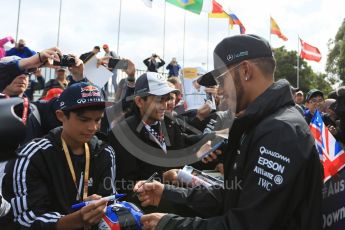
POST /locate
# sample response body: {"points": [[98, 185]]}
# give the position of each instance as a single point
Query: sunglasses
{"points": [[221, 78]]}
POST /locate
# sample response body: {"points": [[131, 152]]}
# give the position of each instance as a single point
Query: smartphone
{"points": [[116, 63], [65, 60], [214, 148]]}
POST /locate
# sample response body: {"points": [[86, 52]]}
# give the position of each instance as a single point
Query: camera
{"points": [[116, 63], [131, 79], [65, 60]]}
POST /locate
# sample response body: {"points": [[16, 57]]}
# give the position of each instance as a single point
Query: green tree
{"points": [[335, 65], [319, 82]]}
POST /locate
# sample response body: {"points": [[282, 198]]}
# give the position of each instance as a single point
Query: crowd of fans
{"points": [[135, 101], [148, 114], [330, 107]]}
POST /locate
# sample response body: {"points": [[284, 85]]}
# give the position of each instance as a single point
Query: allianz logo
{"points": [[263, 151]]}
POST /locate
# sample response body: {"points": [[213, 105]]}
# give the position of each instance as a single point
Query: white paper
{"points": [[193, 177], [188, 178], [194, 98], [194, 94], [98, 76]]}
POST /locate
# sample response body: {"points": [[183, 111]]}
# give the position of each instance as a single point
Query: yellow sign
{"points": [[190, 73]]}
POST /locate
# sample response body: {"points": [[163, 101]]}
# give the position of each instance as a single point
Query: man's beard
{"points": [[239, 90]]}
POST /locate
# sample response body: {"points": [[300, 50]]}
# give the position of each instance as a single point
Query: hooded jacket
{"points": [[272, 174], [39, 183]]}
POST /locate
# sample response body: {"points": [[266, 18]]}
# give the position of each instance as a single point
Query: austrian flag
{"points": [[309, 52]]}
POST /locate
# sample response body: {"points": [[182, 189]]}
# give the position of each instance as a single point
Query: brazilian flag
{"points": [[194, 6]]}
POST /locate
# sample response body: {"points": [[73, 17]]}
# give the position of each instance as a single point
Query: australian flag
{"points": [[331, 153]]}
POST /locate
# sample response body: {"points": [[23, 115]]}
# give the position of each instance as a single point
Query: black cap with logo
{"points": [[82, 94], [234, 49]]}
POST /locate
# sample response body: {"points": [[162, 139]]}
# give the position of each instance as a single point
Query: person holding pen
{"points": [[272, 170], [70, 165]]}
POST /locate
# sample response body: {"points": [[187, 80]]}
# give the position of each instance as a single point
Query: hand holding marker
{"points": [[151, 178]]}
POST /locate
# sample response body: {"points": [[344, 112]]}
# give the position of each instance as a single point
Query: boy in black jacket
{"points": [[67, 166], [148, 136]]}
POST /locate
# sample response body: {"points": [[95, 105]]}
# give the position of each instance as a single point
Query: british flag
{"points": [[331, 153]]}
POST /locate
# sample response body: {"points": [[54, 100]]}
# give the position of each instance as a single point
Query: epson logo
{"points": [[271, 165], [263, 151]]}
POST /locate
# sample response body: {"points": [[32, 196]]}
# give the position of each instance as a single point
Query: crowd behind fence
{"points": [[49, 73]]}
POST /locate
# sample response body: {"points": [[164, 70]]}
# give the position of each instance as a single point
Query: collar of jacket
{"points": [[54, 136], [135, 124], [278, 95]]}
